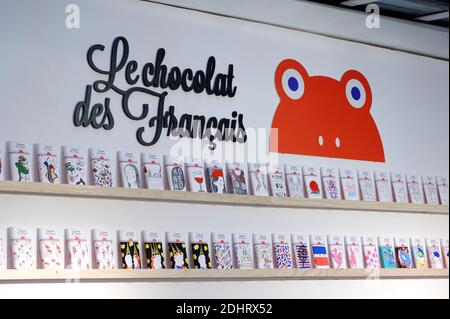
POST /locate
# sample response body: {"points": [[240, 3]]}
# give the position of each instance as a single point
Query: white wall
{"points": [[44, 74]]}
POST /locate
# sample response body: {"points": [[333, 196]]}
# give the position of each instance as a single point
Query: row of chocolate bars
{"points": [[256, 179], [240, 251]]}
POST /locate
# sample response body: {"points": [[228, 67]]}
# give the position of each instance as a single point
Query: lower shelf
{"points": [[217, 275]]}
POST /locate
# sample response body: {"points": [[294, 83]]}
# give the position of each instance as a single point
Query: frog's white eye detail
{"points": [[293, 84], [356, 93]]}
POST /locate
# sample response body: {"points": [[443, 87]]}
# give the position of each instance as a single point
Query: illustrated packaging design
{"points": [[349, 184], [20, 162], [430, 190], [222, 251], [104, 252], [177, 251], [337, 252], [403, 253], [129, 170], [302, 252], [77, 250], [331, 184], [258, 179], [442, 184], [263, 251], [237, 180], [21, 249], [176, 174], [47, 162], [129, 249], [50, 253], [415, 189], [74, 166], [367, 186], [294, 178], [434, 251], [196, 176], [277, 181], [384, 187], [387, 252], [153, 171], [243, 251], [419, 252], [101, 168], [200, 250], [216, 178], [319, 248], [154, 250], [312, 183], [445, 247], [370, 251], [354, 252], [399, 187], [282, 251]]}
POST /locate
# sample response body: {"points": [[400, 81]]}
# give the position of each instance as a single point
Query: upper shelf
{"points": [[8, 187]]}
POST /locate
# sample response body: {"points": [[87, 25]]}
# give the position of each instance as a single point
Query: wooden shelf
{"points": [[218, 275], [116, 193]]}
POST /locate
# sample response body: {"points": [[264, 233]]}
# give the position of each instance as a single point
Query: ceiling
{"points": [[426, 11]]}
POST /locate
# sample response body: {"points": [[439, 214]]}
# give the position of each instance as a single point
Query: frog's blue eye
{"points": [[356, 94], [293, 84]]}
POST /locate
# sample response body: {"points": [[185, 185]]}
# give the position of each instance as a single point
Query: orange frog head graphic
{"points": [[322, 116]]}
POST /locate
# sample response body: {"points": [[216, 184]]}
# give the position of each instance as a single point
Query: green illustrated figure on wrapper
{"points": [[70, 168], [22, 168]]}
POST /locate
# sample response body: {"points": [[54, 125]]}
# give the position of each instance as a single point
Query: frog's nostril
{"points": [[338, 142], [321, 141]]}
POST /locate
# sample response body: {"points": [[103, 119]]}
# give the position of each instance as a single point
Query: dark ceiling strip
{"points": [[434, 16]]}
